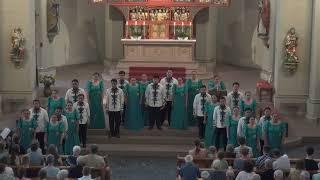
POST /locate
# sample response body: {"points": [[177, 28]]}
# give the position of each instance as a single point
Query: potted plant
{"points": [[136, 32], [47, 81], [181, 34]]}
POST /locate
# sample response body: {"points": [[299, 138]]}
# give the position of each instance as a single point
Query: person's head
{"points": [[275, 117], [197, 143], [230, 148], [222, 101], [230, 174], [304, 175], [25, 161], [247, 112], [2, 168], [188, 158], [203, 89], [278, 175], [122, 75], [169, 73], [300, 165], [248, 166], [266, 150], [42, 174], [133, 80], [76, 150], [75, 84], [69, 105], [268, 164], [155, 79], [86, 171], [15, 149], [93, 149], [267, 111], [220, 155], [50, 160], [21, 172], [194, 75], [62, 174], [180, 80], [214, 98], [235, 111], [144, 77], [59, 111], [205, 175], [247, 95], [34, 146], [2, 146], [52, 149], [212, 149], [54, 93], [235, 86], [255, 177], [202, 145], [114, 83], [276, 153], [216, 78], [25, 114], [54, 118], [252, 120], [309, 150], [81, 97], [244, 152], [96, 76], [242, 141], [36, 104]]}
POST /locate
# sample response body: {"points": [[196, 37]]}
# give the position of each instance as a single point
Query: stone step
{"points": [[156, 140]]}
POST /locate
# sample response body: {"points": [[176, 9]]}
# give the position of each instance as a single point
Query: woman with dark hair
{"points": [[248, 103], [54, 132], [179, 115], [209, 135], [95, 90], [72, 135], [26, 127], [274, 132], [52, 149], [194, 86], [54, 101], [247, 172], [252, 133], [232, 125]]}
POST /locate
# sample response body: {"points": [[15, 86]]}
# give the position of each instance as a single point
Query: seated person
{"points": [[212, 153], [62, 174], [268, 171], [238, 163], [220, 163], [52, 149], [260, 161], [86, 173], [242, 143], [295, 172], [51, 170], [278, 175], [316, 176], [230, 152], [310, 164], [281, 162], [93, 160], [35, 156], [247, 172], [72, 159], [197, 151], [76, 171], [189, 171], [6, 173]]}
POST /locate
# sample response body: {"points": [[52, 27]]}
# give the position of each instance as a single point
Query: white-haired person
{"points": [[205, 175], [189, 171], [278, 175], [304, 175], [230, 174], [255, 177], [86, 171], [62, 174], [72, 159], [316, 176], [247, 171]]}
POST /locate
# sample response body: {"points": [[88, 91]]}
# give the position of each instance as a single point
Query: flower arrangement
{"points": [[47, 80], [135, 32]]}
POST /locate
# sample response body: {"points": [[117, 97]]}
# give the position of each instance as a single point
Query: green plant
{"points": [[47, 80], [136, 31]]}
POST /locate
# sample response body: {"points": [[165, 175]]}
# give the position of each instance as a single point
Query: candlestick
{"points": [[127, 23], [174, 29], [144, 29], [135, 23], [182, 27]]}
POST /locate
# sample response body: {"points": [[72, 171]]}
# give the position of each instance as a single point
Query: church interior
{"points": [[269, 48]]}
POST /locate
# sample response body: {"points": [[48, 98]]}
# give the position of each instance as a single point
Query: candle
{"points": [[135, 23], [127, 23], [182, 26], [144, 29], [190, 30], [174, 29]]}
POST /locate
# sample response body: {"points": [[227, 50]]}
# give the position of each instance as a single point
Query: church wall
{"points": [[17, 82], [235, 28]]}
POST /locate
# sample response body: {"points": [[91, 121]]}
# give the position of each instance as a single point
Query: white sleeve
{"points": [[163, 82], [195, 103], [228, 100], [45, 114], [88, 111], [85, 95], [107, 100], [239, 129], [65, 121], [66, 98], [121, 100], [163, 95], [215, 116], [146, 94]]}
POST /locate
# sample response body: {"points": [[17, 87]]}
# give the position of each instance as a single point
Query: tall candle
{"points": [[127, 23], [182, 26], [144, 29], [190, 30], [135, 23], [174, 29]]}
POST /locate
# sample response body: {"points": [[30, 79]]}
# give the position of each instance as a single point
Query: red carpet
{"points": [[151, 71]]}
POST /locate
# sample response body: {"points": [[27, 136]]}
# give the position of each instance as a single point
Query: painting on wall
{"points": [[52, 19], [264, 21]]}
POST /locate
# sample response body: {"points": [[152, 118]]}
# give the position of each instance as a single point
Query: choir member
{"points": [[234, 97], [179, 115], [54, 101], [194, 86], [73, 93], [84, 118]]}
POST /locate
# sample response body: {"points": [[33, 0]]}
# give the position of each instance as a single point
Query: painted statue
{"points": [[17, 45], [291, 58], [264, 20]]}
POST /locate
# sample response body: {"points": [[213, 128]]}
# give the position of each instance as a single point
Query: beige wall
{"points": [[17, 81]]}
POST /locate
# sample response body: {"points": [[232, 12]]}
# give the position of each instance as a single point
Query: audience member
{"points": [[86, 174], [51, 170], [220, 163], [212, 153], [316, 176], [268, 172], [304, 175], [189, 171], [76, 171], [93, 160], [42, 174], [242, 143], [295, 172], [25, 162], [229, 152], [205, 175], [230, 174], [281, 162], [14, 156], [197, 151], [260, 161], [238, 163], [21, 174], [4, 174], [72, 159], [4, 155], [52, 149], [62, 174], [247, 172], [278, 175], [35, 142], [35, 155], [255, 177], [310, 164]]}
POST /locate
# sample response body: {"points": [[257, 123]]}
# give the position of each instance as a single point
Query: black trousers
{"points": [[40, 138], [123, 114], [155, 117], [114, 122], [221, 134], [166, 112], [201, 126], [83, 134]]}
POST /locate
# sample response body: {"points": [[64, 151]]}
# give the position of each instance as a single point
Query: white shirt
{"points": [[217, 119], [123, 84], [168, 87], [244, 175], [237, 151], [65, 122], [155, 97], [71, 96], [230, 99], [85, 178], [42, 118], [114, 100], [240, 127], [262, 119], [198, 105], [84, 112], [282, 163]]}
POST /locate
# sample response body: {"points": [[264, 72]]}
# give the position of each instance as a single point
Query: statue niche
{"points": [[52, 19]]}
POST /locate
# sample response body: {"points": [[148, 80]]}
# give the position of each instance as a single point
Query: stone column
{"points": [[313, 103], [291, 90], [17, 84]]}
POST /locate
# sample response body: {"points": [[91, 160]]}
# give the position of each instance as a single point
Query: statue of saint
{"points": [[184, 15], [291, 43], [133, 15]]}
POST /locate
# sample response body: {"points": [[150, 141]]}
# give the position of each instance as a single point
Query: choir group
{"points": [[221, 118]]}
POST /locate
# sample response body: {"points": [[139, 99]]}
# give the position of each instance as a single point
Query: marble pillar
{"points": [[17, 84], [313, 103], [291, 90]]}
